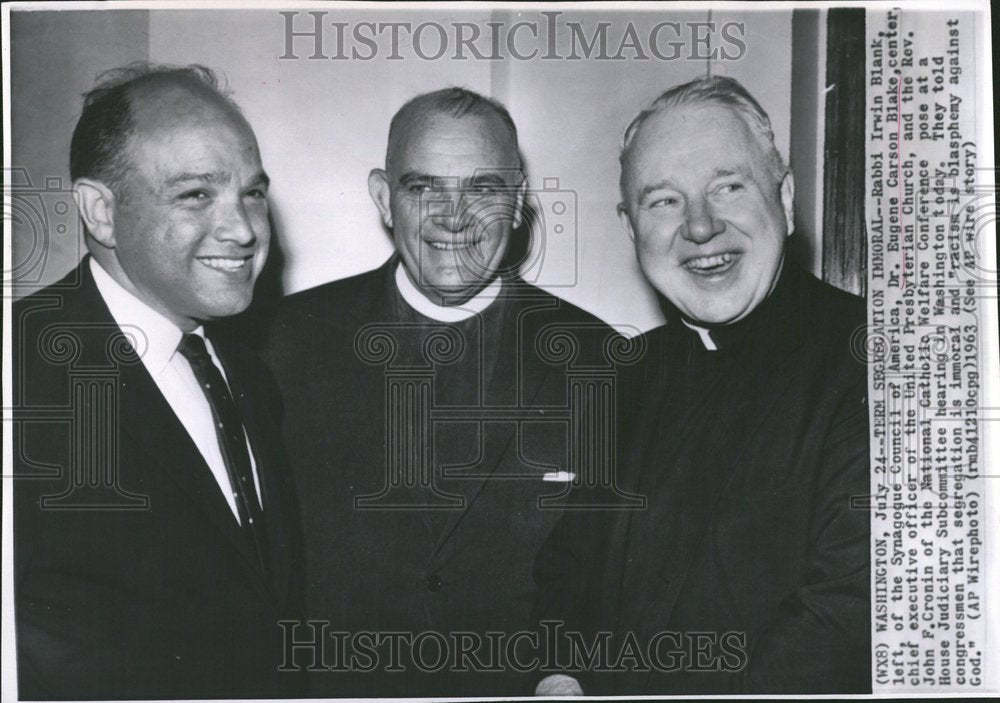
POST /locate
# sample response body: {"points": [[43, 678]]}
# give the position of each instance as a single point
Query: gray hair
{"points": [[719, 90], [454, 101]]}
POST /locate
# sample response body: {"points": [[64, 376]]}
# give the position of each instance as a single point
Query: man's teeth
{"points": [[450, 246], [710, 262], [223, 263]]}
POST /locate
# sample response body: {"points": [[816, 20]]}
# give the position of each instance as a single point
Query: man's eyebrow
{"points": [[723, 172], [653, 187], [451, 181], [487, 178], [414, 176], [261, 179], [215, 177]]}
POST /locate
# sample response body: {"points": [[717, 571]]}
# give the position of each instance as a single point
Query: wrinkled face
{"points": [[708, 220], [454, 191], [191, 231]]}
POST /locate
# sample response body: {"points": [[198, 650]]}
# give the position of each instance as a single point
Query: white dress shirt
{"points": [[155, 339]]}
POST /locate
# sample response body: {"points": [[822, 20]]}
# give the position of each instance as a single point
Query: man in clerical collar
{"points": [[747, 434], [707, 201], [452, 192], [416, 399], [154, 530]]}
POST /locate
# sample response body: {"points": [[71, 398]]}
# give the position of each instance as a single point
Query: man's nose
{"points": [[700, 224], [235, 225], [449, 210]]}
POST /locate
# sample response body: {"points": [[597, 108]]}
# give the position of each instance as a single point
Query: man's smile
{"points": [[227, 264], [452, 245], [712, 265]]}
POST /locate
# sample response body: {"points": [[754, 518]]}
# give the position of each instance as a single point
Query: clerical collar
{"points": [[415, 298], [704, 334]]}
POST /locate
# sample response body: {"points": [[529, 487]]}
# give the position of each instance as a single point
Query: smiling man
{"points": [[155, 539], [709, 215], [748, 434], [416, 397], [451, 193]]}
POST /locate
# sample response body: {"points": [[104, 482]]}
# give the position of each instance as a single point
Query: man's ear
{"points": [[626, 222], [787, 198], [519, 202], [96, 204], [378, 188]]}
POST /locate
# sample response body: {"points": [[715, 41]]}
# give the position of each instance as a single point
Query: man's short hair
{"points": [[719, 90], [454, 101], [98, 149]]}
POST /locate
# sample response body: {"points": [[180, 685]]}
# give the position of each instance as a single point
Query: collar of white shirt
{"points": [[153, 336], [446, 313]]}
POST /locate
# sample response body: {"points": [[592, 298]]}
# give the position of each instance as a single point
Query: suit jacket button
{"points": [[434, 582]]}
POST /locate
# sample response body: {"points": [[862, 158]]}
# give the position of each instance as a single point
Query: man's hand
{"points": [[558, 685]]}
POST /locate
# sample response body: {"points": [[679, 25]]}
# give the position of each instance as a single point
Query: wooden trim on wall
{"points": [[844, 234]]}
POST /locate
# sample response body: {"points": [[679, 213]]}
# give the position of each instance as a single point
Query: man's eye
{"points": [[195, 195], [666, 201], [418, 188], [729, 188], [257, 193]]}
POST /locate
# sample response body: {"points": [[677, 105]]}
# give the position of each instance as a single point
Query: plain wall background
{"points": [[322, 124]]}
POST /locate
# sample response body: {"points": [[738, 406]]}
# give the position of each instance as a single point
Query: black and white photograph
{"points": [[494, 351]]}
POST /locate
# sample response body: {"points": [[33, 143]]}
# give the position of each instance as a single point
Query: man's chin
{"points": [[713, 315], [453, 293], [221, 308]]}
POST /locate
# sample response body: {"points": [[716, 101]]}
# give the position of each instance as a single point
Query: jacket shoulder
{"points": [[342, 293], [559, 309], [59, 299], [326, 307], [836, 313]]}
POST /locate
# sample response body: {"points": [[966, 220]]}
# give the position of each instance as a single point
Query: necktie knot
{"points": [[192, 347]]}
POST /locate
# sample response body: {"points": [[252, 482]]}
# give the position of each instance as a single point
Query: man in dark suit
{"points": [[429, 420], [749, 572], [154, 531]]}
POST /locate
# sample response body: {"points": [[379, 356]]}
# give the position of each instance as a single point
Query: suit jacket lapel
{"points": [[514, 383], [679, 492], [686, 476], [748, 382], [147, 422], [153, 426]]}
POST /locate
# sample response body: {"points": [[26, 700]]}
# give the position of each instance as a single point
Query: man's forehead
{"points": [[211, 145], [173, 104], [444, 139], [706, 140], [690, 127]]}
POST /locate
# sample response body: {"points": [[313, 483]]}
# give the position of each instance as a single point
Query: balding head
{"points": [[99, 147], [453, 102], [711, 90]]}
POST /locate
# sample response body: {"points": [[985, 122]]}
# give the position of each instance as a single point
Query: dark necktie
{"points": [[232, 441]]}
